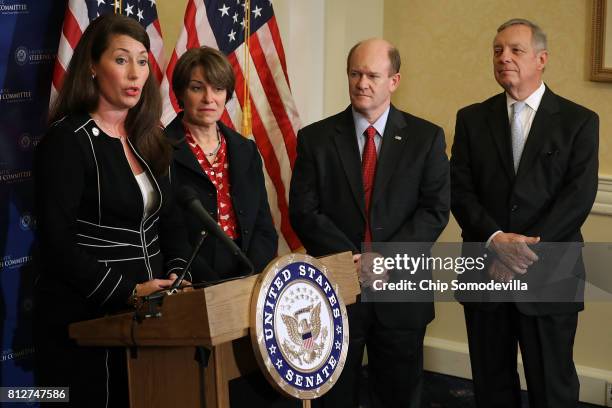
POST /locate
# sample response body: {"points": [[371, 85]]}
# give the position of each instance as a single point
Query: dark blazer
{"points": [[553, 190], [95, 243], [410, 200], [258, 238]]}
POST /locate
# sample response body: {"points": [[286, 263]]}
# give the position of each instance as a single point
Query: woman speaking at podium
{"points": [[223, 167], [108, 228]]}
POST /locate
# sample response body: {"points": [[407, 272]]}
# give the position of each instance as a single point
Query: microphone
{"points": [[188, 198]]}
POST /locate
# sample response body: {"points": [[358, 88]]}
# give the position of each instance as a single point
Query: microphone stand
{"points": [[179, 280], [155, 299]]}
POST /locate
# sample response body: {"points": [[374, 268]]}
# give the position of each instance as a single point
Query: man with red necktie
{"points": [[373, 174]]}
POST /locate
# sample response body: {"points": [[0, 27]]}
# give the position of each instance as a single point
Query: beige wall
{"points": [[446, 51]]}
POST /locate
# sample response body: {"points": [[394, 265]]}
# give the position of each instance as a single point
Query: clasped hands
{"points": [[365, 270], [513, 255]]}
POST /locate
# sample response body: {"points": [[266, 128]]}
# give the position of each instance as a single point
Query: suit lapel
{"points": [[391, 151], [183, 155], [348, 150], [237, 156], [545, 118], [500, 130]]}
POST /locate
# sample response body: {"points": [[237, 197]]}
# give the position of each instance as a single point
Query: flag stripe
{"points": [[273, 97], [79, 12], [276, 38], [190, 21], [58, 78], [155, 70], [170, 105], [64, 53], [156, 57], [227, 120], [265, 36], [71, 29], [205, 33]]}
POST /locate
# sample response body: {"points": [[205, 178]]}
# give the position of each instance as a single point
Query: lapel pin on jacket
{"points": [[95, 131], [398, 137]]}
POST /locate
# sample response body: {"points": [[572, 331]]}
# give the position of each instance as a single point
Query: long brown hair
{"points": [[80, 94]]}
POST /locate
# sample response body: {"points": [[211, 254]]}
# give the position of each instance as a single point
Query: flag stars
{"points": [[243, 23], [152, 2], [256, 12], [128, 10], [139, 15], [235, 17], [232, 36], [224, 10], [101, 2]]}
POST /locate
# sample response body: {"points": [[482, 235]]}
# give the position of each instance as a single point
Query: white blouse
{"points": [[149, 195]]}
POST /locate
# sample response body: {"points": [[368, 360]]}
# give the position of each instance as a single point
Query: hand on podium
{"points": [[155, 285]]}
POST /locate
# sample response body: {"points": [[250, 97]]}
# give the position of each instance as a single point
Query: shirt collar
{"points": [[361, 123], [533, 100]]}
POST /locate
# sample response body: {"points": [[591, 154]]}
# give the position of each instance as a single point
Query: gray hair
{"points": [[538, 36]]}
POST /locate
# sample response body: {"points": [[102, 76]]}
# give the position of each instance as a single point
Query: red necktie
{"points": [[368, 170]]}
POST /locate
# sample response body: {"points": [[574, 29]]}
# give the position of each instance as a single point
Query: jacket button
{"points": [[514, 207], [246, 232]]}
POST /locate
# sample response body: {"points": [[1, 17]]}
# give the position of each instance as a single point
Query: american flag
{"points": [[80, 13], [274, 119]]}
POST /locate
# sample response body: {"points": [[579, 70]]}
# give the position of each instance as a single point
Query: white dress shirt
{"points": [[532, 103]]}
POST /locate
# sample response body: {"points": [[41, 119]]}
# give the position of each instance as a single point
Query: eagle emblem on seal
{"points": [[304, 330]]}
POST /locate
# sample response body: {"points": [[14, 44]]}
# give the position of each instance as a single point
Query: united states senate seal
{"points": [[299, 326]]}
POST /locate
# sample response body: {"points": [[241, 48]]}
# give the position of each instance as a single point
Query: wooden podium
{"points": [[163, 371]]}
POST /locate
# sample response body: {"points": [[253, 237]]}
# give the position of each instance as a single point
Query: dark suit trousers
{"points": [[546, 344], [395, 363]]}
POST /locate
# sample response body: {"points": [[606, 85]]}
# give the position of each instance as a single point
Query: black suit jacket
{"points": [[258, 238], [553, 190], [410, 200]]}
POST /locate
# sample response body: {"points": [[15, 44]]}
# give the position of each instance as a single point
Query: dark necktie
{"points": [[368, 171]]}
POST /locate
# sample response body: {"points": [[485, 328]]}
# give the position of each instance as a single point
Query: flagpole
{"points": [[246, 105]]}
